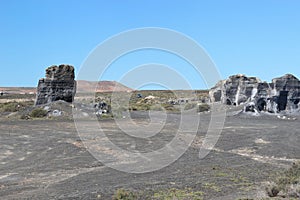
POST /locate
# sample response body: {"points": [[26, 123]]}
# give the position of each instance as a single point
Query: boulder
{"points": [[59, 84]]}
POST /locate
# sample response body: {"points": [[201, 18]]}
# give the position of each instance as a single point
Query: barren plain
{"points": [[45, 159]]}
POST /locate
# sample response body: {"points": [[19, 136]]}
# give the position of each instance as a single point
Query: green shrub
{"points": [[203, 107], [122, 194], [38, 113]]}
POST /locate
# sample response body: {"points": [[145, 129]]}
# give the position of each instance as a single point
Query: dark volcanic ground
{"points": [[45, 159]]}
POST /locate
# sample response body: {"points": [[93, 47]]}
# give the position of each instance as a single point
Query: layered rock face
{"points": [[59, 84], [282, 94], [234, 90]]}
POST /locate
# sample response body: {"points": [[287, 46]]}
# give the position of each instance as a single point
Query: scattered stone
{"points": [[47, 108], [59, 84], [261, 141], [56, 113]]}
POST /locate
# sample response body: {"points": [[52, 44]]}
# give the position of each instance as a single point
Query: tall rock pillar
{"points": [[59, 84]]}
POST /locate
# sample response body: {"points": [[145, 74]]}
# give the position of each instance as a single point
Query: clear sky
{"points": [[257, 38]]}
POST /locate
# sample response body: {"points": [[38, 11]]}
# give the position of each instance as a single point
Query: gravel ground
{"points": [[45, 159]]}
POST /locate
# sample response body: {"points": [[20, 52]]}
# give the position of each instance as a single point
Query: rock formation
{"points": [[234, 90], [282, 94], [59, 84]]}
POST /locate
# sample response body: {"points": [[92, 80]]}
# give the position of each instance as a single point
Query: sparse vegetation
{"points": [[18, 96], [166, 194], [14, 106], [161, 100], [122, 194], [212, 186], [287, 183], [157, 107], [109, 116], [178, 194], [140, 107], [170, 108]]}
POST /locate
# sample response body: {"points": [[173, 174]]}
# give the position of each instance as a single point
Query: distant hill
{"points": [[101, 86], [18, 90], [82, 86]]}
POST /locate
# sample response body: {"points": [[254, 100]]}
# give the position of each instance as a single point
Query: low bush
{"points": [[38, 113], [122, 194], [25, 117], [203, 107]]}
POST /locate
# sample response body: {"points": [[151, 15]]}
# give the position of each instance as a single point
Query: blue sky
{"points": [[256, 38]]}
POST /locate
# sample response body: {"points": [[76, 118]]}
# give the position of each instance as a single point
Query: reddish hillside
{"points": [[82, 86], [101, 86]]}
